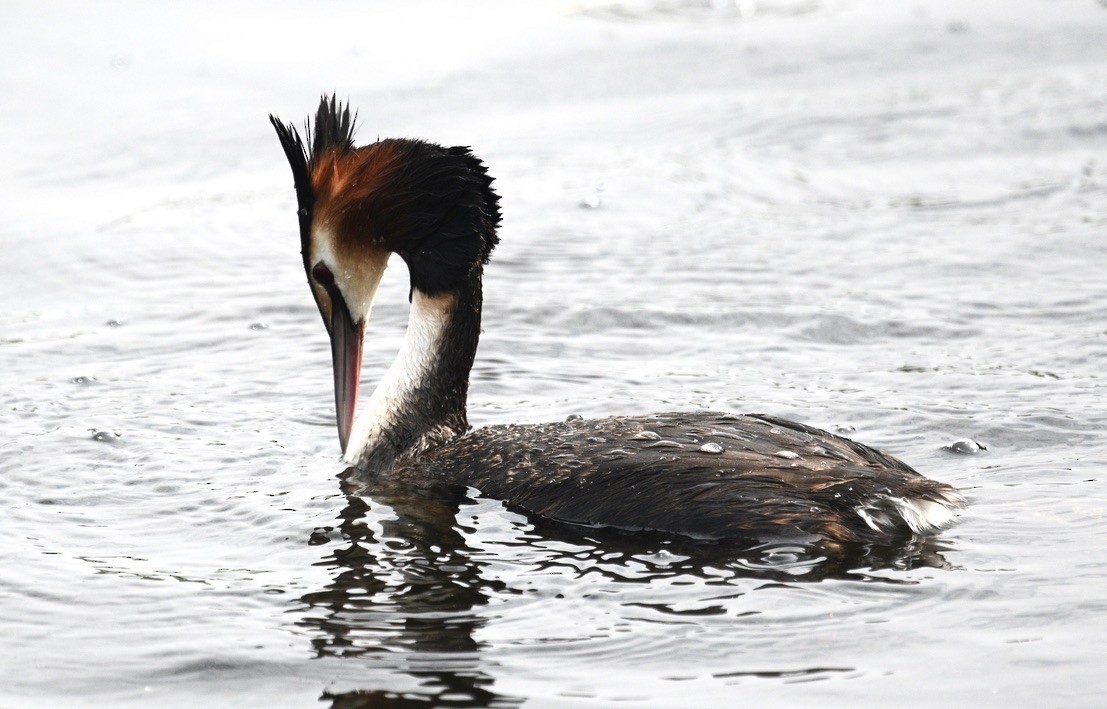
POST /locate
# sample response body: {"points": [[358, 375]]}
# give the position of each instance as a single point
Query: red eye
{"points": [[323, 276]]}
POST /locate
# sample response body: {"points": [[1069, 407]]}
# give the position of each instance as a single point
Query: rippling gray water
{"points": [[886, 221]]}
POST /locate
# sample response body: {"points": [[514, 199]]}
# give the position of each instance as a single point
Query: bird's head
{"points": [[434, 206]]}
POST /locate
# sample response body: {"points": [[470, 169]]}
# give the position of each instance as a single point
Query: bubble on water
{"points": [[965, 446], [593, 200], [258, 326], [105, 436], [713, 448], [83, 381], [114, 323], [647, 436]]}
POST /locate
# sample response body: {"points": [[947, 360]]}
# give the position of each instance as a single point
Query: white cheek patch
{"points": [[357, 280]]}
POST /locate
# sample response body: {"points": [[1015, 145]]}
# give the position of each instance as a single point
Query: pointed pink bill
{"points": [[346, 339]]}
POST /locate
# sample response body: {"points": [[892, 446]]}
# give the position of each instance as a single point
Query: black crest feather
{"points": [[334, 128]]}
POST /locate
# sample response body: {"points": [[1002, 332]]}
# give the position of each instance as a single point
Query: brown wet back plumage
{"points": [[660, 472]]}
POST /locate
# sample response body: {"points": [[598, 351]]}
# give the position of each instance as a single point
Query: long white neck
{"points": [[405, 400]]}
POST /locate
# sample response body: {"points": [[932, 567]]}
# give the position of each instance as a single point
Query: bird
{"points": [[704, 475]]}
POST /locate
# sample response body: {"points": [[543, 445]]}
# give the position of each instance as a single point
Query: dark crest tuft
{"points": [[334, 129]]}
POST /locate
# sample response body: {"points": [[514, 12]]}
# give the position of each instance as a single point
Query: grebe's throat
{"points": [[421, 398]]}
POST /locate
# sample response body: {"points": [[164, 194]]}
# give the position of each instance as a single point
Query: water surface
{"points": [[883, 221]]}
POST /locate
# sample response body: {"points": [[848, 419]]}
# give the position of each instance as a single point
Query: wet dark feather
{"points": [[773, 477]]}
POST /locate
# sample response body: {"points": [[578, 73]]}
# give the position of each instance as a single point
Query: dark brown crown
{"points": [[433, 206]]}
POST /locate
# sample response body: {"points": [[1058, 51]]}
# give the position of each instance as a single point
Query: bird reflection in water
{"points": [[407, 588], [403, 598]]}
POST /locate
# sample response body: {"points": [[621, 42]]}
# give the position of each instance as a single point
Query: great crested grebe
{"points": [[705, 475]]}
